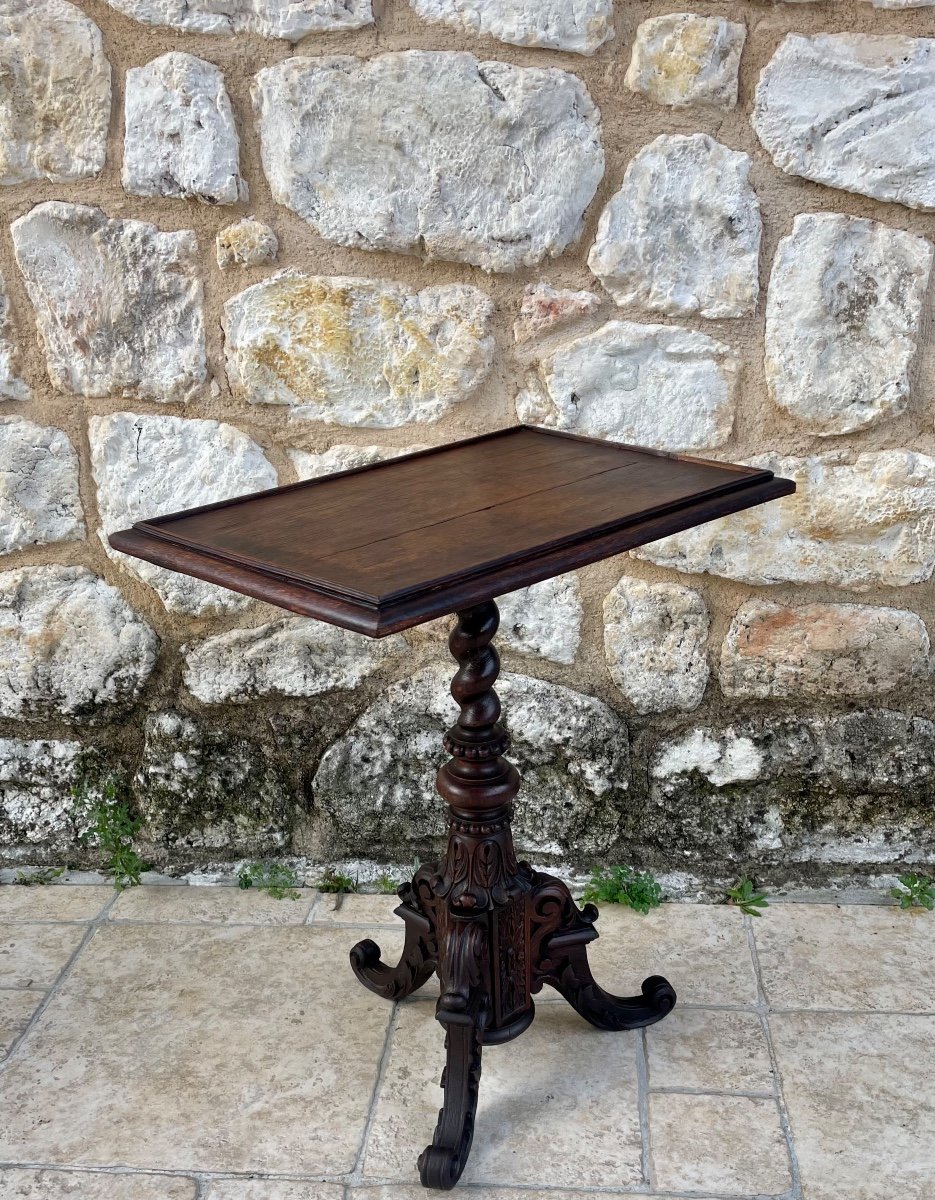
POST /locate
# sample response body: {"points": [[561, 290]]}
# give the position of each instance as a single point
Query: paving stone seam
{"points": [[795, 1193], [59, 980], [357, 1171], [642, 1104], [711, 1091]]}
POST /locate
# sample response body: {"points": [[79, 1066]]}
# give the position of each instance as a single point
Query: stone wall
{"points": [[256, 240]]}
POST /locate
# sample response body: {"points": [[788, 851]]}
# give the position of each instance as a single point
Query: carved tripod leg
{"points": [[417, 963], [462, 1009], [560, 936]]}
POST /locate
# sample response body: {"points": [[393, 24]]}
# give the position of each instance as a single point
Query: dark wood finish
{"points": [[384, 547], [495, 930], [392, 545]]}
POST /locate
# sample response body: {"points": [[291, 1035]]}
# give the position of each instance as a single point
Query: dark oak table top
{"points": [[384, 547]]}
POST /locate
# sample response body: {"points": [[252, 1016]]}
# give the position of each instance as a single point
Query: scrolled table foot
{"points": [[416, 965], [604, 1010], [560, 933]]}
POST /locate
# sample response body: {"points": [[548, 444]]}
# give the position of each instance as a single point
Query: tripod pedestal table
{"points": [[386, 547]]}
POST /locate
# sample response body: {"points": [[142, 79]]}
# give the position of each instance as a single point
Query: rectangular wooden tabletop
{"points": [[384, 547]]}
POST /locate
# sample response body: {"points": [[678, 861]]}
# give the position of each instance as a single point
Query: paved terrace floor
{"points": [[186, 1043]]}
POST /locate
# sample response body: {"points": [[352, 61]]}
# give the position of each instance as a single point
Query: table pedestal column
{"points": [[493, 929]]}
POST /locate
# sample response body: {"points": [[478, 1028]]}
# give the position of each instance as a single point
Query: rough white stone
{"points": [[545, 308], [290, 20], [246, 243], [853, 525], [36, 805], [684, 58], [292, 657], [54, 92], [119, 305], [577, 25], [651, 385], [11, 386], [180, 139], [39, 499], [843, 316], [70, 644], [358, 352], [853, 111], [543, 619], [655, 640], [344, 457], [683, 233], [777, 652], [147, 465], [432, 152], [377, 783], [722, 759]]}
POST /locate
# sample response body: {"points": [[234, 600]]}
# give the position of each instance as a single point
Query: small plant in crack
{"points": [[112, 826], [39, 877], [639, 890], [386, 885], [914, 891], [335, 881], [744, 895], [276, 879]]}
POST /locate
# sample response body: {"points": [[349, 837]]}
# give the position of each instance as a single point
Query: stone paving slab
{"points": [[32, 956], [83, 1185], [709, 1050], [361, 909], [271, 1189], [211, 906], [861, 1102], [198, 1047], [733, 1144], [16, 1009], [53, 903], [814, 956], [209, 1031]]}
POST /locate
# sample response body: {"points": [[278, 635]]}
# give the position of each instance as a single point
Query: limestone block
{"points": [[650, 385], [683, 233], [145, 466], [357, 352], [36, 805], [655, 640], [580, 26], [290, 20], [246, 243], [203, 788], [344, 457], [855, 525], [54, 92], [11, 386], [71, 644], [433, 153], [119, 304], [39, 499], [376, 784], [843, 317], [292, 657], [783, 790], [543, 619], [545, 308], [853, 111], [180, 139], [683, 58], [773, 651]]}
